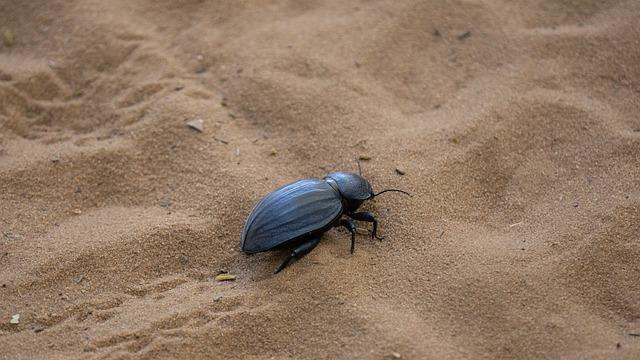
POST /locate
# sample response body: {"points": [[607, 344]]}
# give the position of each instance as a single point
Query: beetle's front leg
{"points": [[368, 217], [348, 223]]}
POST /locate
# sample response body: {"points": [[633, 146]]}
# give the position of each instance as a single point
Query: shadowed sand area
{"points": [[516, 123]]}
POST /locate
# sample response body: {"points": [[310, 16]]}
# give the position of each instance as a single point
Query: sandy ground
{"points": [[516, 124]]}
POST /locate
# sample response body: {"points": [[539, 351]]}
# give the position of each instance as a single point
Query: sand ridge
{"points": [[515, 123]]}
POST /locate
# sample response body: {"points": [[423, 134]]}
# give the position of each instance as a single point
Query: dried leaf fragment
{"points": [[8, 38], [225, 277]]}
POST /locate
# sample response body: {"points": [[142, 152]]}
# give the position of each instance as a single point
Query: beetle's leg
{"points": [[300, 251], [368, 217], [348, 223]]}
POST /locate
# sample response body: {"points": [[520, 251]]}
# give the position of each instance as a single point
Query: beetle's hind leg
{"points": [[348, 223], [300, 250], [368, 217]]}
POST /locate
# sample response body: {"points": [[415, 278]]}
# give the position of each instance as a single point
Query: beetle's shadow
{"points": [[263, 265]]}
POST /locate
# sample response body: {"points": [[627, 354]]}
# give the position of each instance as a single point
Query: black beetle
{"points": [[296, 215]]}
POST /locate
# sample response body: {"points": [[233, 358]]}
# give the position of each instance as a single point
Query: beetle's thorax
{"points": [[333, 184], [353, 188], [335, 187]]}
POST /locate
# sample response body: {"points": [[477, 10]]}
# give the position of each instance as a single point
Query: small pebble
{"points": [[273, 152], [396, 355], [400, 172], [15, 319], [196, 124], [464, 35], [77, 212]]}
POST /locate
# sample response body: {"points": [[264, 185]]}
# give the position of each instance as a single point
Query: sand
{"points": [[516, 124]]}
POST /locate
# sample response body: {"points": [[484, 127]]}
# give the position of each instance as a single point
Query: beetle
{"points": [[296, 215]]}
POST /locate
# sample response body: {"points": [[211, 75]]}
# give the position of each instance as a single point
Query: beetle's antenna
{"points": [[384, 191], [359, 168]]}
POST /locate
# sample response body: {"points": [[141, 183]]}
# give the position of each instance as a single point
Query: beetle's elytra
{"points": [[296, 215]]}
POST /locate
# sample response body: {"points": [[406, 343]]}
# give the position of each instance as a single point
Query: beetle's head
{"points": [[354, 188]]}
